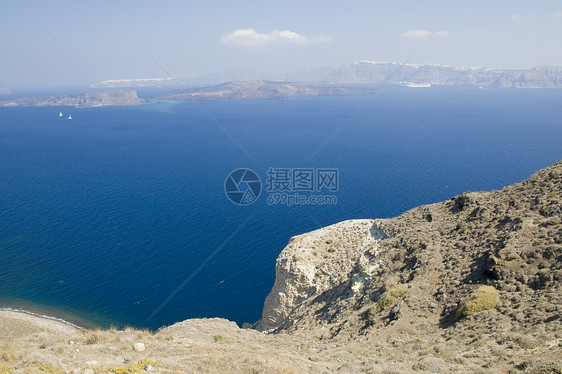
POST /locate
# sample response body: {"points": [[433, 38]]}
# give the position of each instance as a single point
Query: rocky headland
{"points": [[468, 285]]}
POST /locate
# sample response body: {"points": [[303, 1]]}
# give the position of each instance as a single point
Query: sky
{"points": [[55, 44]]}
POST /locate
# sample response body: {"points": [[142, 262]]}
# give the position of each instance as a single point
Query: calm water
{"points": [[119, 215]]}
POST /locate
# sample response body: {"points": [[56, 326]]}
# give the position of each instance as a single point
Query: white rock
{"points": [[148, 367], [316, 261], [88, 371], [139, 347]]}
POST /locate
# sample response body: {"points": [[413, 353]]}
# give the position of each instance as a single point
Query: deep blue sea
{"points": [[119, 216]]}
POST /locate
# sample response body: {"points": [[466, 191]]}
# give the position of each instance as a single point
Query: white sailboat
{"points": [[69, 117], [60, 114]]}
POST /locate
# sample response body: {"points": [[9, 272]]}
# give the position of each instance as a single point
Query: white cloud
{"points": [[250, 38], [423, 34], [517, 17], [557, 14]]}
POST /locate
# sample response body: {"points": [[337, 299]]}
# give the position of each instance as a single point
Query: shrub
{"points": [[132, 368], [387, 299], [484, 298], [93, 337], [218, 338], [6, 369]]}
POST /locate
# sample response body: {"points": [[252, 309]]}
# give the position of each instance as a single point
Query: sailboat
{"points": [[60, 114], [69, 117]]}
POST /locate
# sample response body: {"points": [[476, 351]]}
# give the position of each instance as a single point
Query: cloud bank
{"points": [[423, 34], [252, 38]]}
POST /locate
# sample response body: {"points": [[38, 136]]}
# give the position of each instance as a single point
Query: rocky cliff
{"points": [[84, 100]]}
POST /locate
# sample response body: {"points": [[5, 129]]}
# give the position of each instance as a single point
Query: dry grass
{"points": [[387, 299], [484, 298]]}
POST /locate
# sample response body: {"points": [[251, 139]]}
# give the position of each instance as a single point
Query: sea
{"points": [[119, 216]]}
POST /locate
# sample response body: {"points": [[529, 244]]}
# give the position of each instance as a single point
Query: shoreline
{"points": [[7, 311]]}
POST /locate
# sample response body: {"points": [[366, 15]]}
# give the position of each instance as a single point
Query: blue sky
{"points": [[76, 43]]}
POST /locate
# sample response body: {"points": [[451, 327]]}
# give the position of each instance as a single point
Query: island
{"points": [[82, 100], [261, 89]]}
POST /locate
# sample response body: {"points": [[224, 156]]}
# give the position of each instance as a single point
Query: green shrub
{"points": [[387, 299], [218, 338], [484, 298]]}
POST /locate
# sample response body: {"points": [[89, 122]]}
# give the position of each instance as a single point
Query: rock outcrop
{"points": [[318, 261]]}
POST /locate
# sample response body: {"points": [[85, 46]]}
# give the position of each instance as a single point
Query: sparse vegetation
{"points": [[387, 299], [484, 298], [92, 337], [218, 338], [45, 368], [6, 369], [132, 368]]}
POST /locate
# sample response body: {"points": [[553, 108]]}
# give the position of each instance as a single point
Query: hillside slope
{"points": [[411, 277]]}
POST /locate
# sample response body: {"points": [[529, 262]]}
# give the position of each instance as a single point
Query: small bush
{"points": [[218, 338], [387, 299], [552, 221], [484, 298], [48, 368], [6, 369], [132, 368], [552, 369], [93, 337]]}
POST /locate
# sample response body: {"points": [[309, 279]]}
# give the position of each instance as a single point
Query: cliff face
{"points": [[315, 262], [84, 100]]}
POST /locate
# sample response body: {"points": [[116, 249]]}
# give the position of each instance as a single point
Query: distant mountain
{"points": [[83, 100], [261, 89], [4, 90], [373, 72], [365, 72]]}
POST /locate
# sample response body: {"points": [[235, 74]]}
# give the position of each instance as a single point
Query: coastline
{"points": [[29, 319], [38, 314]]}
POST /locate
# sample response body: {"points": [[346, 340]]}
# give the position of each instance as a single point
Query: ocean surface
{"points": [[119, 216]]}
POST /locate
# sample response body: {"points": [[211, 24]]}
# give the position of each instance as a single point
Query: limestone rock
{"points": [[315, 262]]}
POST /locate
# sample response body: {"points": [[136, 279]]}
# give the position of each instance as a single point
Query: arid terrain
{"points": [[469, 285]]}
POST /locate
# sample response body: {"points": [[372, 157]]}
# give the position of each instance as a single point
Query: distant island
{"points": [[5, 90], [83, 100], [373, 72], [261, 89]]}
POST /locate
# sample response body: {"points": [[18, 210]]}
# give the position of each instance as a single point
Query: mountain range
{"points": [[373, 72]]}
